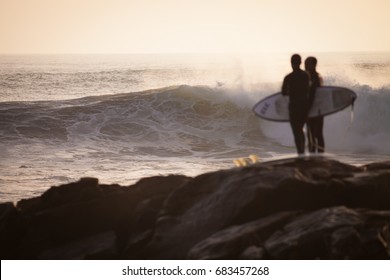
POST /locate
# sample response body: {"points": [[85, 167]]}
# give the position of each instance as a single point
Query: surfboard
{"points": [[328, 100]]}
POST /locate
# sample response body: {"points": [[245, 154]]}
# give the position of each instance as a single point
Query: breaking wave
{"points": [[187, 120]]}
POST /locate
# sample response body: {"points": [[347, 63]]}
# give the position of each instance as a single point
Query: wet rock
{"points": [[298, 208]]}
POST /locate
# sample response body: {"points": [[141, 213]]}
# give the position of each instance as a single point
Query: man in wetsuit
{"points": [[314, 125], [296, 86]]}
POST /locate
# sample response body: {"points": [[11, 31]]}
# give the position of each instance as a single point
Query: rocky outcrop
{"points": [[298, 208]]}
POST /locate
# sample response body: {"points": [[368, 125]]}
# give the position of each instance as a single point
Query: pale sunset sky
{"points": [[193, 26]]}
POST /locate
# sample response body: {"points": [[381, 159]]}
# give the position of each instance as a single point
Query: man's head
{"points": [[296, 61]]}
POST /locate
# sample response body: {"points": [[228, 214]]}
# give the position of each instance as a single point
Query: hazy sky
{"points": [[145, 26]]}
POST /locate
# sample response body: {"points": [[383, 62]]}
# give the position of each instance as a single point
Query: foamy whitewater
{"points": [[123, 117]]}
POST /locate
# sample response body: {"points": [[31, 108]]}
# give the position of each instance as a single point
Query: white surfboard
{"points": [[327, 100]]}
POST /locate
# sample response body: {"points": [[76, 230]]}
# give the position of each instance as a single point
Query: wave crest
{"points": [[189, 120]]}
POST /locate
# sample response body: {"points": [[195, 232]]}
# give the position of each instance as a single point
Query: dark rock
{"points": [[383, 165], [231, 242], [214, 201], [83, 190], [100, 246], [12, 229], [384, 237], [252, 253], [298, 208], [330, 233], [28, 204], [89, 215], [369, 190], [140, 228], [318, 167]]}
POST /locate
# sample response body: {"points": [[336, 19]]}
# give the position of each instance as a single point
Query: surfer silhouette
{"points": [[296, 86], [314, 125]]}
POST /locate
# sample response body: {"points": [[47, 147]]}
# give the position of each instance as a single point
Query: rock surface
{"points": [[298, 208]]}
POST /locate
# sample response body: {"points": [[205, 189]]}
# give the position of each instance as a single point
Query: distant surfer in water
{"points": [[314, 125], [296, 86]]}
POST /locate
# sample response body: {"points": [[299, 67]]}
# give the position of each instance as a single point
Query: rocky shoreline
{"points": [[297, 208]]}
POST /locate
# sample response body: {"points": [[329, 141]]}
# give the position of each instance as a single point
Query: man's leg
{"points": [[297, 129]]}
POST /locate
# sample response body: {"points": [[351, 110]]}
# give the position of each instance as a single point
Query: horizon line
{"points": [[190, 53]]}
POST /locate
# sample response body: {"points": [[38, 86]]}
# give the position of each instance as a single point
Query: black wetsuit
{"points": [[315, 125], [296, 86]]}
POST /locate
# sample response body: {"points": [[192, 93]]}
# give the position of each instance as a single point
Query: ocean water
{"points": [[124, 117]]}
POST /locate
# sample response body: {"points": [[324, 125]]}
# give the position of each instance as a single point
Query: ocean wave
{"points": [[181, 118], [188, 120], [367, 130]]}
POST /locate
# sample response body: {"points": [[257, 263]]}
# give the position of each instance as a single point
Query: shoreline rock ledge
{"points": [[296, 208]]}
